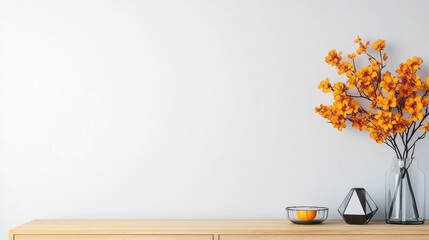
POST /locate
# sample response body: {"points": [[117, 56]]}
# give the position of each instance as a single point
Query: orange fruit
{"points": [[306, 215]]}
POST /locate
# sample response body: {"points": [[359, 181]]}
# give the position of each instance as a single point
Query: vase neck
{"points": [[401, 163]]}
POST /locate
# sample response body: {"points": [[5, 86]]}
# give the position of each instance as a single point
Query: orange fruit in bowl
{"points": [[306, 215]]}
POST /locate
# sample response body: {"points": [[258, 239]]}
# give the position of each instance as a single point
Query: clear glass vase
{"points": [[405, 193]]}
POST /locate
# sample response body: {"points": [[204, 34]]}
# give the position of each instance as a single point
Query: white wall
{"points": [[185, 109]]}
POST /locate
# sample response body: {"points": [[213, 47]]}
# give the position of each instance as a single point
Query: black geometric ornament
{"points": [[358, 207]]}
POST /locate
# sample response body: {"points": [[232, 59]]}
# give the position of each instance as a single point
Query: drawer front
{"points": [[112, 237], [324, 237]]}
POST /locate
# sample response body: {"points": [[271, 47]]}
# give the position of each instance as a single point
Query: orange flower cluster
{"points": [[379, 45], [398, 105]]}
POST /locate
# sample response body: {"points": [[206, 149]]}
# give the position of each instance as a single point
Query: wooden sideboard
{"points": [[212, 230]]}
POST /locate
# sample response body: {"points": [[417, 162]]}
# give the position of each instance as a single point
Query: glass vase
{"points": [[405, 193]]}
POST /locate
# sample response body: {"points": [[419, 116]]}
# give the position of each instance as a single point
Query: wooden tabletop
{"points": [[210, 227]]}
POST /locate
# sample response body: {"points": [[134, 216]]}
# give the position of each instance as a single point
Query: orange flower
{"points": [[377, 102], [324, 111], [351, 80], [346, 106], [333, 58], [344, 67], [407, 70], [375, 65], [378, 134], [385, 120], [379, 45], [425, 127], [370, 91], [406, 90], [365, 77], [351, 56], [325, 85], [362, 48], [401, 123], [414, 106], [358, 40], [389, 102], [360, 123], [339, 122], [389, 83], [415, 62], [420, 84], [384, 57], [340, 90]]}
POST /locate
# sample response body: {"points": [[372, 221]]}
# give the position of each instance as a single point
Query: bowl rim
{"points": [[303, 208]]}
